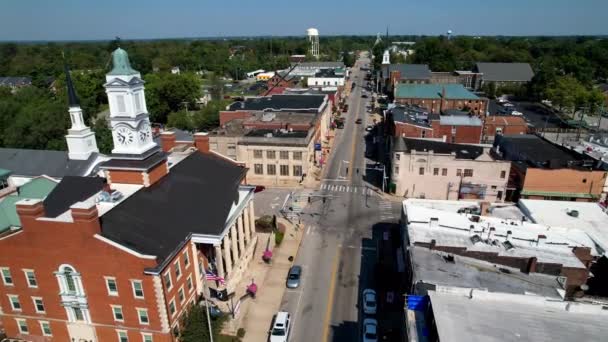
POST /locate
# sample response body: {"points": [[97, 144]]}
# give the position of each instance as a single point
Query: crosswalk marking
{"points": [[349, 189]]}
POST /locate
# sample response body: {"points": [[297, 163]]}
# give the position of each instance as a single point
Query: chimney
{"points": [[491, 233], [541, 239], [484, 208], [509, 233], [29, 210], [167, 141], [201, 141], [434, 222], [85, 215]]}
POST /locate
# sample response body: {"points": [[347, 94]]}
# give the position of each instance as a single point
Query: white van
{"points": [[280, 327]]}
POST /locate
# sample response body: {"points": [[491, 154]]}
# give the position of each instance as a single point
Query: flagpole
{"points": [[206, 291]]}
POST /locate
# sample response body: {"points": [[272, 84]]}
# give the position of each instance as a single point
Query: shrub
{"points": [[278, 237], [240, 333]]}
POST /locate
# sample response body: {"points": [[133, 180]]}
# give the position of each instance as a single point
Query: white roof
{"points": [[460, 120], [592, 218], [456, 230], [481, 316]]}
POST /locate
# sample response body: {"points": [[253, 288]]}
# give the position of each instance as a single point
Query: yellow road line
{"points": [[330, 297], [351, 165]]}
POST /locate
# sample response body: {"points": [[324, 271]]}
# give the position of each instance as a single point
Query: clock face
{"points": [[125, 136], [144, 133]]}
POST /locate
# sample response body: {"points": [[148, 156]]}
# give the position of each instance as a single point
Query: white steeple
{"points": [[81, 140], [386, 58], [129, 116]]}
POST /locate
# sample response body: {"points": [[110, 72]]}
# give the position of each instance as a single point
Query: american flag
{"points": [[212, 276]]}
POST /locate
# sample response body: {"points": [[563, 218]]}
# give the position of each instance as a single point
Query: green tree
{"points": [[567, 93], [103, 134], [195, 326], [166, 93], [180, 119]]}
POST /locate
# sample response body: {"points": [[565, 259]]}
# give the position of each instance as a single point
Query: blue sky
{"points": [[104, 19]]}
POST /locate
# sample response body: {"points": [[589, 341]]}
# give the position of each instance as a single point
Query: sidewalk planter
{"points": [[267, 256]]}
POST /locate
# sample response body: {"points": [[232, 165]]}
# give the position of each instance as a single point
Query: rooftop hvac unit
{"points": [[573, 213]]}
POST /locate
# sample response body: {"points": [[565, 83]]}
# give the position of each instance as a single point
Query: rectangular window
{"points": [[78, 314], [172, 307], [137, 98], [138, 289], [30, 277], [231, 151], [181, 295], [168, 283], [270, 154], [258, 169], [120, 99], [143, 316], [468, 172], [117, 312], [421, 171], [186, 259], [396, 170], [111, 286], [178, 270], [146, 337], [297, 155], [271, 169], [297, 170], [444, 171], [503, 174], [15, 303], [284, 170], [453, 139], [122, 336], [189, 283], [436, 171], [257, 154], [458, 172], [22, 324], [38, 304], [6, 276], [45, 327], [499, 195], [284, 154], [397, 156]]}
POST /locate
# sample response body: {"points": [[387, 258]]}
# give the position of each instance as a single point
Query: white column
{"points": [[251, 219], [196, 266], [227, 255], [241, 237], [245, 218], [233, 240], [218, 260]]}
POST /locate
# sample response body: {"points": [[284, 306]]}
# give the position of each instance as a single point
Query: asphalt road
{"points": [[338, 252]]}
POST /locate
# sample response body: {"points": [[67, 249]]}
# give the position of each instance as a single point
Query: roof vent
{"points": [[106, 197], [508, 245], [475, 238], [573, 213]]}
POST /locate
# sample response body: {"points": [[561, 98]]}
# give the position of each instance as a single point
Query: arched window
{"points": [[69, 280]]}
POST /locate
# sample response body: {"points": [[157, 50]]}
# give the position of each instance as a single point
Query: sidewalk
{"points": [[255, 315]]}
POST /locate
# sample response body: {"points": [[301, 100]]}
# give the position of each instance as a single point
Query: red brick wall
{"points": [[478, 107], [45, 245], [464, 134], [125, 177], [158, 172], [578, 181], [411, 131], [227, 116]]}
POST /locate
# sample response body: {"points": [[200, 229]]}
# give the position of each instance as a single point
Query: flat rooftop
{"points": [[280, 102], [461, 151], [276, 133], [453, 229], [592, 218], [487, 317], [431, 267], [413, 114], [434, 91]]}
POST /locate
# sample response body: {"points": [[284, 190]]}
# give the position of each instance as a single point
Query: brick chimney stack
{"points": [[201, 142], [30, 210], [167, 141], [85, 215]]}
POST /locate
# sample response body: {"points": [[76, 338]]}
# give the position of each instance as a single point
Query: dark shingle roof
{"points": [[501, 72], [535, 150], [462, 151], [195, 197], [281, 102], [69, 191], [25, 162], [408, 71]]}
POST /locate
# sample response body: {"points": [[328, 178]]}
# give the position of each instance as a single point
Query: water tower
{"points": [[313, 40], [449, 34]]}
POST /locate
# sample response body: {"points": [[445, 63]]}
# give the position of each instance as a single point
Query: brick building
{"points": [[542, 170], [390, 75], [503, 124], [412, 121], [121, 258], [440, 97], [282, 80]]}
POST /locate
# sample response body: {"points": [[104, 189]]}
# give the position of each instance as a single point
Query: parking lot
{"points": [[534, 113]]}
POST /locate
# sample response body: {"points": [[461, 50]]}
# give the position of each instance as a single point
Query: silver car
{"points": [[293, 277]]}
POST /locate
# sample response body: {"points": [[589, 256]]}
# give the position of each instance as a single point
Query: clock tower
{"points": [[136, 158], [129, 116]]}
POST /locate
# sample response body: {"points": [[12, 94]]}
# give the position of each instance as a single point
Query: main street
{"points": [[339, 249]]}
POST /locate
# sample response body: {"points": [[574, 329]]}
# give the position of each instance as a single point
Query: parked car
{"points": [[369, 302], [370, 330], [516, 113], [259, 188], [280, 327], [364, 95], [293, 277], [358, 121]]}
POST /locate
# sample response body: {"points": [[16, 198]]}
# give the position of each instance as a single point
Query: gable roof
{"points": [[195, 197], [37, 188], [31, 163], [462, 151], [433, 91], [408, 71], [502, 72], [70, 190]]}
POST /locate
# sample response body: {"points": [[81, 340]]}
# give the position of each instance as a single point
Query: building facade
{"points": [[436, 170], [507, 125]]}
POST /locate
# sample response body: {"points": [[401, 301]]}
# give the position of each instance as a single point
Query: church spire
{"points": [[72, 97]]}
